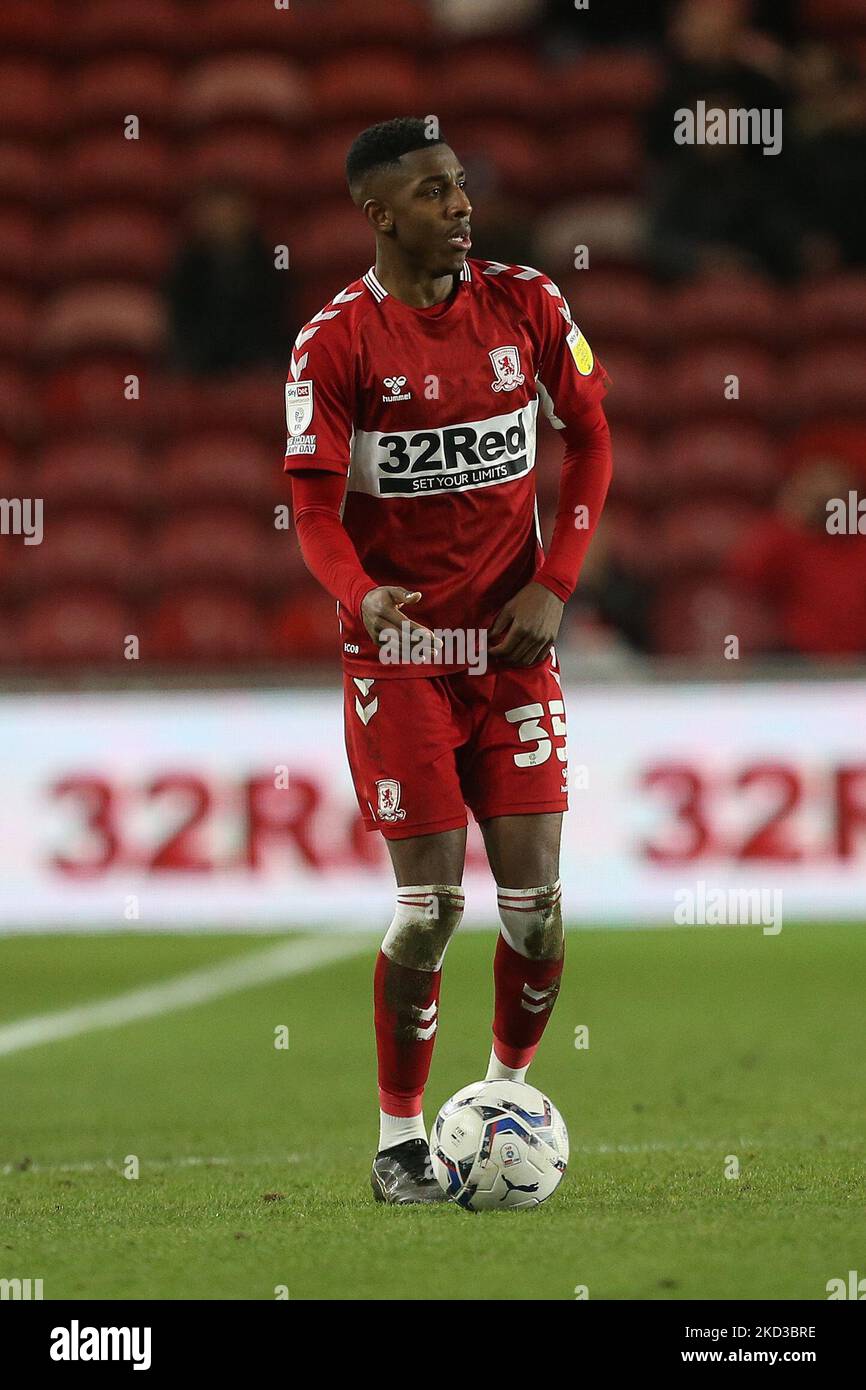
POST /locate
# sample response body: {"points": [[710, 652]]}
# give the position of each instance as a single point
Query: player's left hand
{"points": [[527, 624]]}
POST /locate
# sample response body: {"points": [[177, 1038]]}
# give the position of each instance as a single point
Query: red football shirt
{"points": [[431, 415]]}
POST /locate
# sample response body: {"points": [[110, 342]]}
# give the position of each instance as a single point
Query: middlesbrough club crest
{"points": [[506, 365], [388, 792]]}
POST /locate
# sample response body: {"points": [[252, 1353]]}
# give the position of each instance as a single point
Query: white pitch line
{"points": [[195, 987]]}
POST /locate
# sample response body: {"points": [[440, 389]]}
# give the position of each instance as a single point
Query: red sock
{"points": [[407, 1014], [525, 992]]}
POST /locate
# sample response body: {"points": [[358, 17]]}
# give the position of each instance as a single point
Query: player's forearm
{"points": [[328, 552], [585, 478]]}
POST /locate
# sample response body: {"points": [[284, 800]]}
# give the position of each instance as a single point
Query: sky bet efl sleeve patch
{"points": [[299, 414], [580, 351]]}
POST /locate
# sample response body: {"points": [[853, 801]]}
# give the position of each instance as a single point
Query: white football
{"points": [[499, 1144]]}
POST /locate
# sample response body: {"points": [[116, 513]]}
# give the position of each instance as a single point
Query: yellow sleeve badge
{"points": [[580, 351]]}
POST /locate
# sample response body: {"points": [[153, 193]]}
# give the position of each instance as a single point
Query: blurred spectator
{"points": [[829, 124], [612, 596], [718, 205], [816, 580], [225, 296]]}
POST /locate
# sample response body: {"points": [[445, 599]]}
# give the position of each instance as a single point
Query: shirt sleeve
{"points": [[320, 396], [570, 378]]}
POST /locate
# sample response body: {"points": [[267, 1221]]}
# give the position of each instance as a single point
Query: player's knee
{"points": [[532, 920], [425, 919]]}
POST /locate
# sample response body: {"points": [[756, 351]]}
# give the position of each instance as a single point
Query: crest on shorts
{"points": [[299, 406], [506, 365], [388, 793]]}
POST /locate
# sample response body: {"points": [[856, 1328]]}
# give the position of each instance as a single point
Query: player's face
{"points": [[430, 210]]}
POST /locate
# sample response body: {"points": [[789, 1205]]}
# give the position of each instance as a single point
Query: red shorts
{"points": [[423, 749]]}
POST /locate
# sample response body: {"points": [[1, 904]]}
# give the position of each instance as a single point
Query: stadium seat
{"points": [[12, 475], [697, 616], [700, 534], [108, 89], [634, 476], [739, 457], [98, 316], [20, 233], [108, 167], [719, 306], [614, 307], [245, 401], [17, 312], [218, 545], [828, 379], [99, 470], [124, 243], [237, 26], [29, 98], [636, 393], [84, 547], [503, 84], [604, 83], [76, 628], [19, 413], [339, 244], [201, 625], [29, 28], [124, 26], [839, 19], [695, 382], [90, 393], [219, 467], [304, 627], [598, 156], [384, 82], [612, 227], [504, 154], [25, 173], [375, 21], [264, 162], [828, 438], [834, 307], [245, 85], [325, 159]]}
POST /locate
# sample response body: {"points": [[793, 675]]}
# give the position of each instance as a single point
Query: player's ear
{"points": [[378, 215]]}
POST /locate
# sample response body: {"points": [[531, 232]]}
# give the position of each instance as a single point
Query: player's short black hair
{"points": [[383, 144]]}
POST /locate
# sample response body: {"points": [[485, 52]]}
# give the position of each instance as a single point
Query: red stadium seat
{"points": [[700, 534], [831, 308], [841, 19], [79, 628], [739, 306], [242, 402], [370, 90], [376, 21], [81, 548], [598, 156], [16, 322], [101, 316], [90, 393], [12, 475], [339, 244], [697, 617], [838, 439], [636, 390], [108, 89], [25, 173], [245, 85], [612, 227], [218, 545], [603, 83], [200, 625], [20, 233], [325, 159], [304, 627], [633, 473], [828, 379], [739, 457], [109, 167], [94, 469], [160, 26], [237, 26], [696, 382], [219, 467], [614, 307], [502, 84], [30, 28], [29, 98], [506, 154], [124, 242], [264, 162], [19, 414]]}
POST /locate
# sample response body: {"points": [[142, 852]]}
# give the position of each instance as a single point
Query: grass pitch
{"points": [[705, 1045]]}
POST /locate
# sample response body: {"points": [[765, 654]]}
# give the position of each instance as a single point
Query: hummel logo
{"points": [[395, 385]]}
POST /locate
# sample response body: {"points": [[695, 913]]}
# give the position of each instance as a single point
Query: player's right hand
{"points": [[381, 610]]}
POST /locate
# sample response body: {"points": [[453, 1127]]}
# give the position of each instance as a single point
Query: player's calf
{"points": [[527, 969]]}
